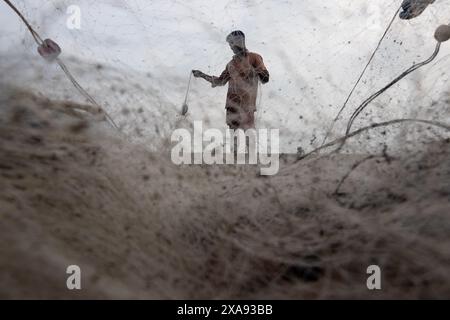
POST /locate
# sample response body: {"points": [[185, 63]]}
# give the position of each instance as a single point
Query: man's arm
{"points": [[215, 81], [260, 68]]}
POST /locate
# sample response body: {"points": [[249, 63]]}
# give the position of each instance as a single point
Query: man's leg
{"points": [[233, 118], [248, 120], [240, 119]]}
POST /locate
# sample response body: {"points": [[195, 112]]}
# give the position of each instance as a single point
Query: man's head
{"points": [[236, 40]]}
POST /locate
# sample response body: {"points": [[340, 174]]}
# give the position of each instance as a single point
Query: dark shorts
{"points": [[240, 119]]}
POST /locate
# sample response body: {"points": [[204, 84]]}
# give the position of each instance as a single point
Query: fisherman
{"points": [[242, 73]]}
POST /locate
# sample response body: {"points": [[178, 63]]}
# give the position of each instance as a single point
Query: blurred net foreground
{"points": [[140, 227]]}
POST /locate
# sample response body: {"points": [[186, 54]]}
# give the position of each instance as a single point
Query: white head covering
{"points": [[236, 38]]}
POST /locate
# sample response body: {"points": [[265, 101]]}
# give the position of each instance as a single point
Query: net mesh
{"points": [[141, 227], [134, 57]]}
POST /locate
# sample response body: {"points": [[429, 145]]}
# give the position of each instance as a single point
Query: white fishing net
{"points": [[74, 190], [134, 58]]}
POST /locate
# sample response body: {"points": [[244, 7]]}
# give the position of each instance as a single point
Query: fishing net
{"points": [[75, 190], [134, 57]]}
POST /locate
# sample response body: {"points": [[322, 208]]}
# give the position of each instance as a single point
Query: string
{"points": [[80, 89], [188, 89], [373, 126], [358, 111], [361, 76]]}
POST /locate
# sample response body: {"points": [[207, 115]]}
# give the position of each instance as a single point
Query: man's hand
{"points": [[264, 76], [198, 73]]}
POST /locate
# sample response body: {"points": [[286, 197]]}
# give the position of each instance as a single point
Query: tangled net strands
{"points": [[442, 34], [85, 93], [374, 126], [35, 35], [410, 11], [185, 107], [42, 43], [324, 145], [358, 111], [377, 94], [357, 165], [361, 76]]}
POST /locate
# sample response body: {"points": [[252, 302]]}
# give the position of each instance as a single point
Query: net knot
{"points": [[49, 50]]}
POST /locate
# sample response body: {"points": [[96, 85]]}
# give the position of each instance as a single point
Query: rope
{"points": [[185, 107], [188, 89], [361, 76], [352, 169], [404, 74], [358, 111], [373, 126], [64, 68], [84, 93], [258, 105], [35, 35]]}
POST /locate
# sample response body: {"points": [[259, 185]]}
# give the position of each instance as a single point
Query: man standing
{"points": [[243, 73]]}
